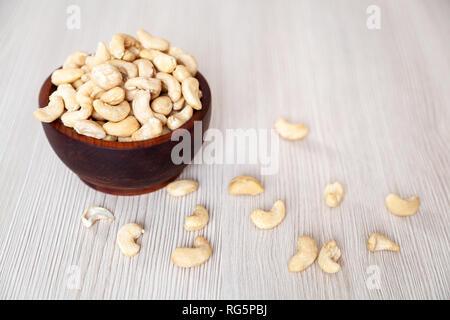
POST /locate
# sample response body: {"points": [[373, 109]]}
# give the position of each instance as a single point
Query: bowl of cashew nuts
{"points": [[115, 116]]}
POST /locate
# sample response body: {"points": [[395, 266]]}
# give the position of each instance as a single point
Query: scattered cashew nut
{"points": [[328, 257], [197, 220], [61, 76], [245, 185], [185, 59], [112, 113], [52, 111], [106, 76], [145, 68], [113, 96], [89, 128], [269, 219], [171, 84], [306, 255], [402, 207], [141, 106], [152, 129], [150, 42], [126, 238], [124, 128], [181, 187], [176, 120], [163, 62], [68, 94], [290, 131], [379, 242], [93, 214], [181, 72], [71, 117], [191, 257], [162, 105], [333, 194]]}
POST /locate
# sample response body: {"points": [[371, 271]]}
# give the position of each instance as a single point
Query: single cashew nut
{"points": [[171, 84], [269, 219], [178, 105], [290, 131], [378, 242], [176, 120], [129, 70], [152, 129], [191, 257], [93, 214], [333, 194], [61, 76], [126, 239], [163, 62], [77, 83], [87, 92], [402, 207], [150, 42], [181, 187], [68, 94], [117, 46], [71, 117], [150, 84], [124, 128], [197, 220], [113, 96], [112, 113], [161, 118], [75, 60], [245, 185], [101, 56], [328, 257], [190, 89], [145, 68], [51, 112], [306, 255], [162, 105], [89, 128], [141, 106], [106, 76], [185, 59], [181, 72]]}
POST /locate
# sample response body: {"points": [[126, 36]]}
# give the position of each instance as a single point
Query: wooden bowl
{"points": [[122, 168]]}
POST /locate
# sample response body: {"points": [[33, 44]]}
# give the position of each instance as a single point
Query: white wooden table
{"points": [[377, 103]]}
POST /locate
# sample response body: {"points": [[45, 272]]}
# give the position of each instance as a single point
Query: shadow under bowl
{"points": [[124, 168]]}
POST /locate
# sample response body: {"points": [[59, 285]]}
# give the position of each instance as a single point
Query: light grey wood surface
{"points": [[377, 103]]}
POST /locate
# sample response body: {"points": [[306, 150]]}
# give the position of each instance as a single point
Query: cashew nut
{"points": [[176, 120], [333, 194], [88, 91], [178, 105], [101, 56], [110, 138], [141, 106], [151, 129], [245, 185], [68, 94], [145, 68], [71, 117], [162, 105], [150, 84], [378, 242], [93, 214], [106, 76], [117, 46], [185, 59], [77, 83], [197, 220], [89, 128], [163, 62], [113, 96], [150, 42], [124, 128], [75, 60], [125, 139], [328, 257], [190, 89], [127, 69], [181, 187], [51, 112], [191, 257], [61, 76], [181, 72], [269, 219], [126, 239], [171, 84], [306, 255], [161, 118], [290, 131], [112, 113], [402, 207]]}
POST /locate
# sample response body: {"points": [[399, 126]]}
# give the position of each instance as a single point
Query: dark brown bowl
{"points": [[122, 168]]}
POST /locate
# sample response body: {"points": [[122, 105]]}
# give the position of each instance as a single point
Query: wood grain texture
{"points": [[377, 105]]}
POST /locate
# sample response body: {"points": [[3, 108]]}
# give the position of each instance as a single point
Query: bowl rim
{"points": [[48, 88]]}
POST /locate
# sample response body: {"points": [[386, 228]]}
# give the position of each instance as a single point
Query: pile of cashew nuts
{"points": [[138, 89]]}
